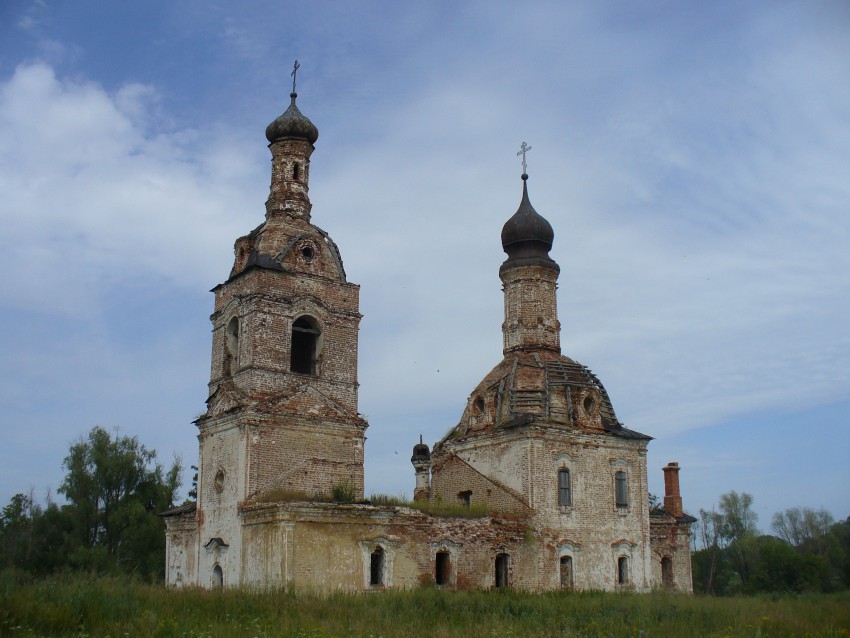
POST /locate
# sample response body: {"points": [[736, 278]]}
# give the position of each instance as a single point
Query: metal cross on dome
{"points": [[523, 149], [295, 68]]}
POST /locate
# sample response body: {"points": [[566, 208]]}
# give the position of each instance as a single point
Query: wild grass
{"points": [[445, 509], [344, 493], [82, 606], [340, 493]]}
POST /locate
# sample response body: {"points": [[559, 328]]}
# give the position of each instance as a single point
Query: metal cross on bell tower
{"points": [[523, 149], [295, 68]]}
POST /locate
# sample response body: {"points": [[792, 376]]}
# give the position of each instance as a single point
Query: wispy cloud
{"points": [[692, 164]]}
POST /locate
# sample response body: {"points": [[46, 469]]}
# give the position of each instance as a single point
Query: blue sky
{"points": [[692, 158]]}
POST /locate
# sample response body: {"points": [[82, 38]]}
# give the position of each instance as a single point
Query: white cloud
{"points": [[693, 168], [95, 194]]}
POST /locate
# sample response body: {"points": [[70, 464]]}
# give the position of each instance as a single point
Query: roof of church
{"points": [[537, 388], [292, 124], [257, 259]]}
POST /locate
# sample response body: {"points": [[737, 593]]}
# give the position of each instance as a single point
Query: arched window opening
{"points": [[566, 572], [305, 340], [620, 489], [479, 406], [376, 567], [502, 570], [622, 570], [231, 346], [296, 171], [442, 568], [565, 496], [217, 577], [667, 572]]}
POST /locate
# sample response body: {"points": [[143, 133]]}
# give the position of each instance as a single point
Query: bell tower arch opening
{"points": [[231, 346], [305, 346]]}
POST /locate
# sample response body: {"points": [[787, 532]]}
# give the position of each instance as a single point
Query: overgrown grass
{"points": [[445, 509], [286, 496], [341, 493], [80, 606], [344, 493]]}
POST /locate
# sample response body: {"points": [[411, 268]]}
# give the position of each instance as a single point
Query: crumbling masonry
{"points": [[538, 447]]}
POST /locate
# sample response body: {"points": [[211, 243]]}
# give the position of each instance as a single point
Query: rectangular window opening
{"points": [[622, 570], [376, 568], [502, 570], [565, 496], [442, 568], [621, 489]]}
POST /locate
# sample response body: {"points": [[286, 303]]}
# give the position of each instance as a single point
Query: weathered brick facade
{"points": [[538, 445]]}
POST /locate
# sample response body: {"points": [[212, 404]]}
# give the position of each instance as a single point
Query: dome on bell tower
{"points": [[292, 124], [527, 235]]}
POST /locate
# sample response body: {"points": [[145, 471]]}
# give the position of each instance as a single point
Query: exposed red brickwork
{"points": [[672, 499], [453, 475], [538, 443], [531, 316]]}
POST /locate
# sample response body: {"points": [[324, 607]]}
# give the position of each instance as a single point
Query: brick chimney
{"points": [[672, 499]]}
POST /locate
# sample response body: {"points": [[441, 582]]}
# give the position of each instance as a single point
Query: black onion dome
{"points": [[421, 453], [527, 234], [292, 124]]}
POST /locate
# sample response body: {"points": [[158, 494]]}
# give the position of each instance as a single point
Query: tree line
{"points": [[114, 488], [807, 552]]}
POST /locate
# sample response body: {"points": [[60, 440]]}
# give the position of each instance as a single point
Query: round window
{"points": [[218, 481], [589, 404]]}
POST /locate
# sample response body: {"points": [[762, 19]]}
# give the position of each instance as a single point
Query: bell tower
{"points": [[529, 279], [282, 416]]}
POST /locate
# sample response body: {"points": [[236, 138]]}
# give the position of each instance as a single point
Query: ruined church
{"points": [[550, 486]]}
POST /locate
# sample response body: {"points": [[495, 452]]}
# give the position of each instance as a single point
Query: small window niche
{"points": [[621, 491], [296, 171], [465, 498], [565, 495], [231, 346], [306, 337], [442, 568], [376, 567]]}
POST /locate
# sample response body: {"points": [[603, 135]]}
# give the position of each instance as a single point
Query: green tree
{"points": [[16, 531], [726, 534], [798, 525], [738, 529], [706, 558], [777, 567], [115, 488], [738, 520], [35, 539]]}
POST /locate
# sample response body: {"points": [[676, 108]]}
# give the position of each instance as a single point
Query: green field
{"points": [[79, 606]]}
